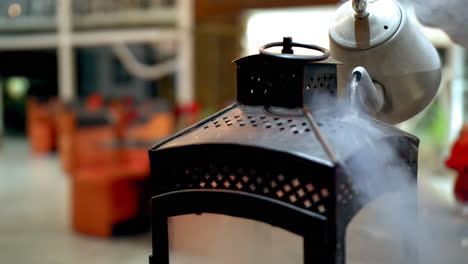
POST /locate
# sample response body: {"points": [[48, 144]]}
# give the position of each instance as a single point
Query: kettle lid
{"points": [[382, 22]]}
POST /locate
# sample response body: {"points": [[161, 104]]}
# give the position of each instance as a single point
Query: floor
{"points": [[34, 216], [34, 226]]}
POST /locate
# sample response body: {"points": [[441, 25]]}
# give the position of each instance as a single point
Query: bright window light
{"points": [[305, 25]]}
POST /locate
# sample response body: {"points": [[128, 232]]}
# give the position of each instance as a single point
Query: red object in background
{"points": [[135, 160], [458, 161], [40, 125], [187, 114], [108, 196], [130, 113], [461, 187], [128, 101], [66, 126], [109, 183], [192, 108], [89, 146], [158, 126], [124, 113], [94, 102], [42, 136]]}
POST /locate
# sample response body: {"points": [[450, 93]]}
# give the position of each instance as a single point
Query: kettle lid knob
{"points": [[360, 7]]}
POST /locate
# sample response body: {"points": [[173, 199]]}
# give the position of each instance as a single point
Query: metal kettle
{"points": [[398, 62]]}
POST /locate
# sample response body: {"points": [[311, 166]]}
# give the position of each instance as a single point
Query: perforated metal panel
{"points": [[299, 191], [346, 192], [285, 124], [324, 81]]}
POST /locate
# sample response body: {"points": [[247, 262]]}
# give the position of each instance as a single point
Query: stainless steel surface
{"points": [[405, 63], [383, 21], [360, 7], [370, 93]]}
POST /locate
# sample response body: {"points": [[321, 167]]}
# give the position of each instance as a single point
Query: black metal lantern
{"points": [[272, 157]]}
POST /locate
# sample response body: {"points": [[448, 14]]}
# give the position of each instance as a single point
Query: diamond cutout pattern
{"points": [[295, 182], [346, 192], [279, 193], [292, 190], [301, 193], [227, 184], [273, 184]]}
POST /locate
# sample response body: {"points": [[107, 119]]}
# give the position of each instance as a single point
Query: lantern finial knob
{"points": [[287, 46]]}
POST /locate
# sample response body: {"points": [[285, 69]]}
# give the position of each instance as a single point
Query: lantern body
{"points": [[276, 156]]}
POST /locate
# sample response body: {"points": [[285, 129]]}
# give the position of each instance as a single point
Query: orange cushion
{"points": [[103, 196], [89, 146]]}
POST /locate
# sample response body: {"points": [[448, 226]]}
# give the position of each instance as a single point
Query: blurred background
{"points": [[87, 86]]}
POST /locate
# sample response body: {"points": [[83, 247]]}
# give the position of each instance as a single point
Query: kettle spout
{"points": [[371, 93]]}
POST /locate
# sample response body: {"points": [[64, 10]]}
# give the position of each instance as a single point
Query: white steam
{"points": [[385, 231], [408, 226], [439, 235], [449, 15]]}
